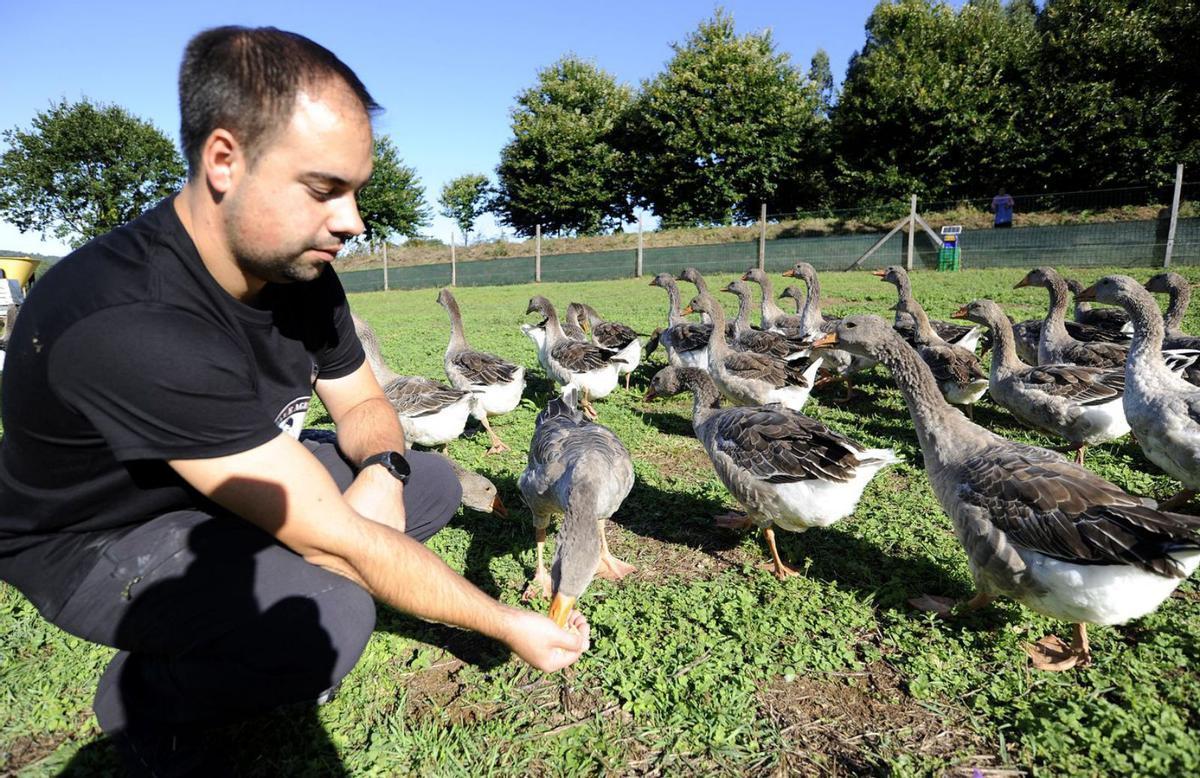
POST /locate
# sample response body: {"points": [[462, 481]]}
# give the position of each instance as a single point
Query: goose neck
{"points": [[742, 322], [673, 316], [1145, 351], [458, 337], [811, 315], [1180, 296], [1004, 348], [1055, 321]]}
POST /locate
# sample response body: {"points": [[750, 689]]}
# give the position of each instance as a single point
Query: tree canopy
{"points": [[725, 127], [84, 169], [562, 169], [393, 201], [465, 199]]}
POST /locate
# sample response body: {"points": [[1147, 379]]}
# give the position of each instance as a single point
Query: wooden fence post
{"points": [[762, 238], [912, 231], [453, 262], [385, 266], [640, 248], [537, 262], [1174, 214]]}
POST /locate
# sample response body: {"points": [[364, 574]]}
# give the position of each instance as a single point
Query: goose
{"points": [[574, 362], [1055, 345], [478, 493], [840, 364], [693, 277], [578, 470], [773, 317], [431, 413], [955, 334], [1081, 404], [496, 383], [785, 469], [1028, 334], [1180, 295], [571, 323], [750, 378], [1037, 528], [1111, 319], [616, 337], [1162, 408], [747, 338], [537, 334], [960, 376], [685, 342]]}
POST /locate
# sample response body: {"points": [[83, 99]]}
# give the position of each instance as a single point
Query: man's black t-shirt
{"points": [[129, 354]]}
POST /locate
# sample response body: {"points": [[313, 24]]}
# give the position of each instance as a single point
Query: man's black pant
{"points": [[216, 620]]}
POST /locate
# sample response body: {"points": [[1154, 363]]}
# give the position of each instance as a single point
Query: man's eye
{"points": [[319, 193]]}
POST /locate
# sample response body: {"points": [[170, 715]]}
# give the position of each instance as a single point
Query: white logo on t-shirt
{"points": [[291, 418]]}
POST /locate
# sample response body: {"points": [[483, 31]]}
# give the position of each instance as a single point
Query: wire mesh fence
{"points": [[1126, 227]]}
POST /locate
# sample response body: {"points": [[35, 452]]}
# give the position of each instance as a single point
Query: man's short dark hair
{"points": [[246, 80]]}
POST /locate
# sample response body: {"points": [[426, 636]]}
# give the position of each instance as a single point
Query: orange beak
{"points": [[745, 276], [1023, 282], [825, 341], [650, 395], [789, 273], [879, 273], [1087, 295], [961, 313], [560, 608], [498, 508], [686, 311]]}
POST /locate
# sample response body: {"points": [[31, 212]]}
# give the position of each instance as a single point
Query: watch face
{"points": [[398, 465]]}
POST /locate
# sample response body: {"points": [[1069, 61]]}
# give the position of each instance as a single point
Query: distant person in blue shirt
{"points": [[1002, 206]]}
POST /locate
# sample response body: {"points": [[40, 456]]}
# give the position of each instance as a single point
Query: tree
{"points": [[393, 201], [562, 168], [465, 199], [84, 169], [722, 128], [937, 102]]}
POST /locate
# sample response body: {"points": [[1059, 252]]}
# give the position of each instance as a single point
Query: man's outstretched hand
{"points": [[545, 645]]}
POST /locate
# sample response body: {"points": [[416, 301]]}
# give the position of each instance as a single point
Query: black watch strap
{"points": [[393, 461]]}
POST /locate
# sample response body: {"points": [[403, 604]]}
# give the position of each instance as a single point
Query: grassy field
{"points": [[701, 662]]}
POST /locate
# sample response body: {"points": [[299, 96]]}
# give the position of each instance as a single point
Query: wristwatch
{"points": [[394, 461]]}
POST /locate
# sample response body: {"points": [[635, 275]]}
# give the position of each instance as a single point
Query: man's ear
{"points": [[223, 160]]}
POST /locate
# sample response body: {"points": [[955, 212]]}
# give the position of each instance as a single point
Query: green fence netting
{"points": [[1121, 244]]}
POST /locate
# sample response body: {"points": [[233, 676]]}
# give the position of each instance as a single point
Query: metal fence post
{"points": [[1174, 214], [385, 266], [762, 238], [453, 262], [912, 231], [640, 248], [537, 262]]}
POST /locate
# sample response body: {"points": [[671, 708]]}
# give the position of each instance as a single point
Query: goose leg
{"points": [[627, 377], [971, 412], [540, 585], [498, 445], [611, 568], [1177, 501], [586, 404], [1079, 453], [782, 571]]}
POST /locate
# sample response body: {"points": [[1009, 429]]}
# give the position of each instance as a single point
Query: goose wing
{"points": [[1041, 502], [952, 363], [581, 357], [687, 336], [1087, 334], [1077, 384], [419, 396], [613, 335], [482, 368], [774, 444]]}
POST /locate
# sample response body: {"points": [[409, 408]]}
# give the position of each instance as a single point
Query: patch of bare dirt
{"points": [[682, 460], [851, 724], [695, 558], [26, 750]]}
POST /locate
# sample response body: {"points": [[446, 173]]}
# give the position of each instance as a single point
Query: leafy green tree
{"points": [[84, 169], [465, 199], [936, 102], [562, 168], [393, 201], [1118, 100], [724, 127]]}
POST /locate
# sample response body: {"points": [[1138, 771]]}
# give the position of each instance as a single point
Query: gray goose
{"points": [[773, 317], [746, 338], [959, 374], [496, 383], [955, 334], [1081, 404], [1055, 344], [1028, 334], [750, 378], [431, 413], [840, 364], [685, 342], [615, 336], [575, 362], [1036, 528], [578, 470], [1180, 294], [1111, 319], [1162, 408], [786, 470], [693, 277]]}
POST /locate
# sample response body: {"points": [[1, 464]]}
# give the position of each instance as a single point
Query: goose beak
{"points": [[687, 311], [1087, 295], [498, 508], [789, 273], [650, 395], [826, 341], [879, 273], [1022, 283], [745, 276], [961, 313], [560, 609]]}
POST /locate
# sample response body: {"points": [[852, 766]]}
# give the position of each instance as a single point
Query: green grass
{"points": [[701, 662]]}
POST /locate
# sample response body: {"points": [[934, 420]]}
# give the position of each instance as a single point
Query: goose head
{"points": [[693, 277], [664, 280], [983, 312], [671, 381], [539, 304], [1164, 283], [445, 299], [755, 275], [737, 287], [862, 335], [1046, 277], [793, 292], [1116, 290], [802, 270], [892, 274]]}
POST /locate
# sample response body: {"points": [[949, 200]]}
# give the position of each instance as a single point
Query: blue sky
{"points": [[446, 73]]}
